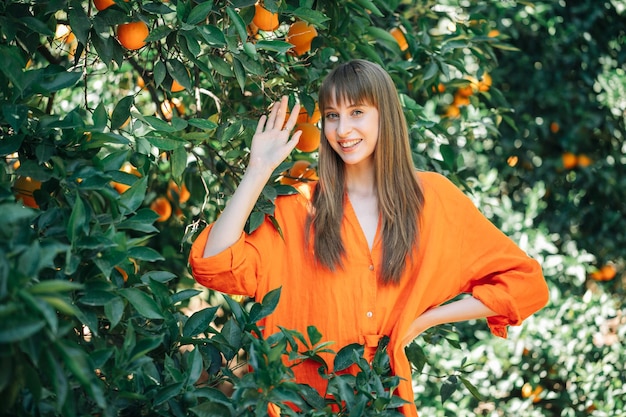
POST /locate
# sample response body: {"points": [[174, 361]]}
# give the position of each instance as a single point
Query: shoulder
{"points": [[435, 185]]}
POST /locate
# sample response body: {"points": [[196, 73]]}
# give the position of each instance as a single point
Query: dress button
{"points": [[371, 267], [369, 314]]}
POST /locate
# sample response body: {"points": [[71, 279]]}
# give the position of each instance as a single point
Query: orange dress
{"points": [[460, 251]]}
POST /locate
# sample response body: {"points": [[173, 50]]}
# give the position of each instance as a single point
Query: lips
{"points": [[346, 144]]}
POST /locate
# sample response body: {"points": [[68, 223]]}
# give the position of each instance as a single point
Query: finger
{"points": [[272, 116], [281, 111], [293, 117], [261, 125], [294, 139]]}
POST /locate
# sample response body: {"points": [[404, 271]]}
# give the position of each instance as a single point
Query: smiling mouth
{"points": [[350, 143]]}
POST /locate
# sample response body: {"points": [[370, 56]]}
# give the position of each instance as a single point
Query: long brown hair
{"points": [[400, 197]]}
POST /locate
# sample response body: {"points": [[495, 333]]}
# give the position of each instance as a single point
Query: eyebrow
{"points": [[351, 106]]}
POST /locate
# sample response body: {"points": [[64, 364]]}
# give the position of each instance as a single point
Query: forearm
{"points": [[230, 224], [468, 308]]}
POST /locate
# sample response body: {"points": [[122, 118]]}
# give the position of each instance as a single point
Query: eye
{"points": [[357, 112], [330, 116]]}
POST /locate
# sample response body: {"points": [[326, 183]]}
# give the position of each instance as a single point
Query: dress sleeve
{"points": [[495, 270], [235, 270]]}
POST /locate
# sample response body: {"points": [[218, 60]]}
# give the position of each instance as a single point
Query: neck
{"points": [[360, 180]]}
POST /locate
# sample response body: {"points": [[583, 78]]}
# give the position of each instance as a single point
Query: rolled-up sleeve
{"points": [[232, 271], [496, 271]]}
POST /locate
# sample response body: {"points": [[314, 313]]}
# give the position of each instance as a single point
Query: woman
{"points": [[373, 248]]}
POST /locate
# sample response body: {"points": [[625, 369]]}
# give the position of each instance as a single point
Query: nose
{"points": [[344, 127]]}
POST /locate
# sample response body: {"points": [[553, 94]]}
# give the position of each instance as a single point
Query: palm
{"points": [[271, 142]]}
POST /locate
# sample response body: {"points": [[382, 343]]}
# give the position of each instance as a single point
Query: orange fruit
{"points": [[310, 138], [554, 127], [176, 87], [493, 33], [400, 38], [569, 160], [162, 207], [176, 193], [608, 272], [103, 4], [129, 169], [132, 35], [460, 100], [264, 19], [485, 84], [24, 188], [300, 35], [465, 91], [304, 117], [140, 82], [527, 390], [301, 170], [453, 112], [584, 161], [64, 34], [168, 106]]}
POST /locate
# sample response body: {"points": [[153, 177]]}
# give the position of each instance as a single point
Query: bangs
{"points": [[348, 84]]}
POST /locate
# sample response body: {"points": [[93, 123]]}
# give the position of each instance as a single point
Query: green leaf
{"points": [[144, 346], [158, 33], [54, 81], [77, 224], [370, 6], [179, 72], [239, 23], [314, 335], [274, 46], [267, 306], [79, 22], [121, 113], [178, 161], [199, 13], [212, 35], [314, 17], [183, 295], [132, 198], [256, 219], [15, 115], [472, 388], [15, 330], [347, 356], [159, 72], [142, 302], [232, 333], [448, 388], [114, 310], [54, 286], [165, 143], [145, 253], [36, 25], [199, 322]]}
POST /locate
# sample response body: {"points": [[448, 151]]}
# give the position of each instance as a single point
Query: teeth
{"points": [[349, 143]]}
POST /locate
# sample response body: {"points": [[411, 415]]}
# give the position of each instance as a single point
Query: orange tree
{"points": [[132, 139]]}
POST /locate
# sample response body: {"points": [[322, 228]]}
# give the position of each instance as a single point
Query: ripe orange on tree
{"points": [[304, 117], [162, 207], [133, 35], [103, 4], [176, 87], [301, 170], [24, 188], [584, 161], [310, 138], [301, 35], [129, 169], [605, 273], [64, 34], [264, 19], [569, 160], [176, 193], [400, 38]]}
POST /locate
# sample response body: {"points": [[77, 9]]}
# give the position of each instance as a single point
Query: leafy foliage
{"points": [[99, 313]]}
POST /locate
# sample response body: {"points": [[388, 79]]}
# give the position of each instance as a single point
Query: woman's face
{"points": [[352, 131]]}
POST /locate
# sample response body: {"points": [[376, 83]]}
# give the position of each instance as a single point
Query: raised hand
{"points": [[271, 142]]}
